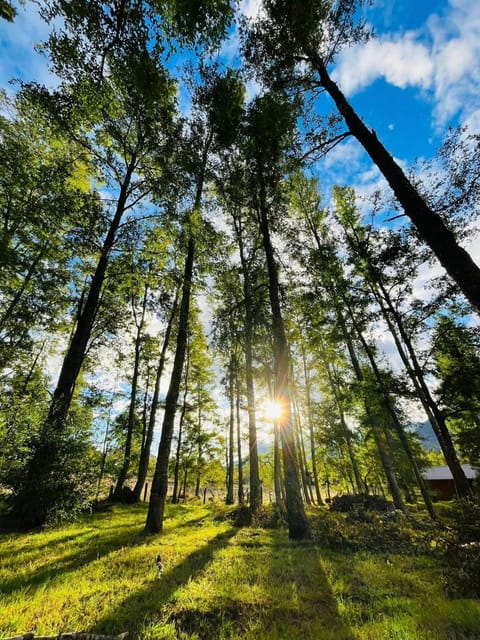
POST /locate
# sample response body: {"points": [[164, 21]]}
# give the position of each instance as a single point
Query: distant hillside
{"points": [[427, 435]]}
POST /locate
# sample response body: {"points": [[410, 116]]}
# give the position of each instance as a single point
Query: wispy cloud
{"points": [[441, 59]]}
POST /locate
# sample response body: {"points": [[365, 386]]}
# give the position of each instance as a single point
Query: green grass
{"points": [[220, 582]]}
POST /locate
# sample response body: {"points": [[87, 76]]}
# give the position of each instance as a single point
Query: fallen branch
{"points": [[68, 636]]}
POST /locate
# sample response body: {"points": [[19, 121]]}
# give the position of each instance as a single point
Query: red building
{"points": [[440, 480]]}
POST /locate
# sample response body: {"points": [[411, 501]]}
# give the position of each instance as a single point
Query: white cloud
{"points": [[441, 59], [399, 60], [250, 8]]}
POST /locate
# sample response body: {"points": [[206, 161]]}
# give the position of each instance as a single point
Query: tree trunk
{"points": [[176, 473], [241, 493], [298, 527], [231, 399], [122, 476], [277, 471], [158, 494], [159, 488], [255, 484], [38, 494], [434, 413], [430, 226], [382, 451], [75, 355], [398, 427], [414, 370], [346, 431], [145, 452], [313, 450], [302, 457]]}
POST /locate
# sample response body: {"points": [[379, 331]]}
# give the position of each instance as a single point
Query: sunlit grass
{"points": [[219, 582]]}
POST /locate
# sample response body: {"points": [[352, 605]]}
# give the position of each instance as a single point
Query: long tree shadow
{"points": [[88, 550], [145, 604], [302, 594]]}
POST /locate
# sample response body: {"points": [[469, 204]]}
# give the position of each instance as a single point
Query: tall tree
{"points": [[218, 103], [366, 257], [269, 137], [124, 120], [292, 43]]}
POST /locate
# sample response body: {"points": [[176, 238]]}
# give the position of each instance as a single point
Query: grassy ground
{"points": [[220, 582]]}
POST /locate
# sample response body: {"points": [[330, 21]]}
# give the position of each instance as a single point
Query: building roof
{"points": [[444, 473]]}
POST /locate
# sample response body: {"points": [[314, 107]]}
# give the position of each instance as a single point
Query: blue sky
{"points": [[420, 75]]}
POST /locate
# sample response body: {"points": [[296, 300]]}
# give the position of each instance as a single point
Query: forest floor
{"points": [[219, 582]]}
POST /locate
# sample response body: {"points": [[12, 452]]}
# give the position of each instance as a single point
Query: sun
{"points": [[272, 410]]}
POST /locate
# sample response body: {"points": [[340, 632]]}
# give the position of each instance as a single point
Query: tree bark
{"points": [[382, 451], [158, 494], [37, 494], [231, 420], [241, 492], [176, 472], [313, 447]]}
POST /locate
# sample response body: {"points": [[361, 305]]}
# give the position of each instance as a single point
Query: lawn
{"points": [[219, 582]]}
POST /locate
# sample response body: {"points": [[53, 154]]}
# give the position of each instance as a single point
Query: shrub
{"points": [[360, 502], [459, 547]]}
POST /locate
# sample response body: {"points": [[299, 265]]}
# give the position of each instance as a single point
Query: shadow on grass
{"points": [[144, 605], [93, 548], [306, 606]]}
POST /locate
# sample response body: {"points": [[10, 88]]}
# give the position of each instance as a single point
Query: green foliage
{"points": [[459, 547], [7, 11], [457, 365], [360, 502], [23, 407]]}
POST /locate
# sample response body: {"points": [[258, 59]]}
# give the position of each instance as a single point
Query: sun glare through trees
{"points": [[239, 298]]}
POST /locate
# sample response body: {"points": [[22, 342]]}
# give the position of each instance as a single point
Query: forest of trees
{"points": [[169, 272]]}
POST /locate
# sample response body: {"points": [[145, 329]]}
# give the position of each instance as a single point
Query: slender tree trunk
{"points": [[75, 355], [158, 494], [176, 473], [199, 446], [376, 430], [159, 488], [313, 445], [298, 527], [122, 476], [434, 413], [145, 452], [277, 470], [346, 431], [302, 457], [231, 399], [241, 493], [430, 226], [398, 428], [255, 484]]}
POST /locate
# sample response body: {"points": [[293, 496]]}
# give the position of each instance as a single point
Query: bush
{"points": [[459, 547], [360, 502], [367, 531]]}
